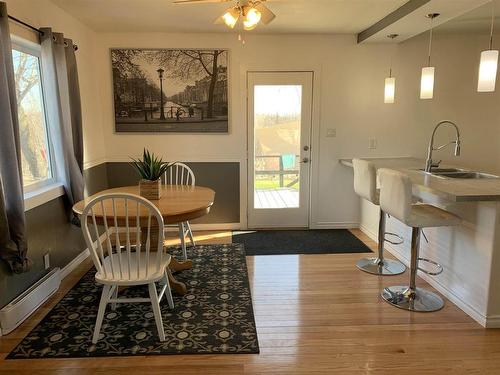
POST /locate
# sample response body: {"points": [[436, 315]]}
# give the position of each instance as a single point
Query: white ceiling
{"points": [[416, 22], [476, 21], [293, 16]]}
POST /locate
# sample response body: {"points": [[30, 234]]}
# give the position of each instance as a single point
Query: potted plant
{"points": [[150, 169]]}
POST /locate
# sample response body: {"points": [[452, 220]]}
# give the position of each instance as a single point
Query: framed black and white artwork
{"points": [[170, 90]]}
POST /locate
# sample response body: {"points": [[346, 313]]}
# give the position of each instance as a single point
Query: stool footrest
{"points": [[398, 241], [439, 268]]}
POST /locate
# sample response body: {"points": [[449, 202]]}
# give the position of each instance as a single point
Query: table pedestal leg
{"points": [[177, 286], [175, 265]]}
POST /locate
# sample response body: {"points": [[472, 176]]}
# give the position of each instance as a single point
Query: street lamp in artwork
{"points": [[162, 111]]}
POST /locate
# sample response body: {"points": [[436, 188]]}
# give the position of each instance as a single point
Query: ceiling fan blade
{"points": [[266, 15], [199, 1]]}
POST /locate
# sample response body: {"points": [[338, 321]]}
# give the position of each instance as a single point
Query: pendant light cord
{"points": [[492, 23], [430, 42], [391, 58]]}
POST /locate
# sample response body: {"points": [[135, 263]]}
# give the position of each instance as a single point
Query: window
{"points": [[35, 151]]}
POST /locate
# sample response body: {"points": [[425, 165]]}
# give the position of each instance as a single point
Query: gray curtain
{"points": [[13, 246], [64, 111]]}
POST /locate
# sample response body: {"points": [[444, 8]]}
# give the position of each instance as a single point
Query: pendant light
{"points": [[489, 63], [390, 82], [427, 79]]}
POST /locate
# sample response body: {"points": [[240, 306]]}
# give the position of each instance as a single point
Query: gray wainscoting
{"points": [[223, 177]]}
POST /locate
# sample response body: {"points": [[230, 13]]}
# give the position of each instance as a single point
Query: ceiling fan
{"points": [[252, 12]]}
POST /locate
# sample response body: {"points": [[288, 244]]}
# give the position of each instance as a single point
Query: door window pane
{"points": [[35, 157], [277, 117]]}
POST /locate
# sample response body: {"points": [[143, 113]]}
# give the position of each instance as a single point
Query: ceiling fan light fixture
{"points": [[230, 17], [252, 18]]}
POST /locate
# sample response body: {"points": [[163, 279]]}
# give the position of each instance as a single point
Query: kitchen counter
{"points": [[451, 189]]}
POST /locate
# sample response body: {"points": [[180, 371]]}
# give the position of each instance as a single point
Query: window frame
{"points": [[43, 191]]}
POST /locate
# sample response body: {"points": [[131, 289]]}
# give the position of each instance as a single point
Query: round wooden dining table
{"points": [[178, 203]]}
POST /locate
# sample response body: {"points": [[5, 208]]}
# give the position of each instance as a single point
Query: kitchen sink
{"points": [[458, 173], [465, 174], [446, 170]]}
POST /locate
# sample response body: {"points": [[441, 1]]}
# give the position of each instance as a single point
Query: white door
{"points": [[279, 148]]}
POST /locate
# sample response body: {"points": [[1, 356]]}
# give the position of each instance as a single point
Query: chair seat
{"points": [[137, 275], [426, 215]]}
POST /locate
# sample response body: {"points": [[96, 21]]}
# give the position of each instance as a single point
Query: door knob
{"points": [[306, 148], [305, 160]]}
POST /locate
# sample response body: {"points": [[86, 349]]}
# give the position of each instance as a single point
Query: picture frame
{"points": [[170, 90]]}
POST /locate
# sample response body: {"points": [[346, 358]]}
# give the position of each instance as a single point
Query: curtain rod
{"points": [[25, 24], [75, 47]]}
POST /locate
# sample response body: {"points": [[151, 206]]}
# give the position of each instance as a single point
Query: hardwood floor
{"points": [[315, 314]]}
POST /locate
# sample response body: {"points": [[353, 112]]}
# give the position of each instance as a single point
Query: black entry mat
{"points": [[215, 316], [282, 242]]}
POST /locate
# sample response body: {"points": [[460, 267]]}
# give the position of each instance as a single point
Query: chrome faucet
{"points": [[429, 164]]}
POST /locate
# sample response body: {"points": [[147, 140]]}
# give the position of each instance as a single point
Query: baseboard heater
{"points": [[12, 315]]}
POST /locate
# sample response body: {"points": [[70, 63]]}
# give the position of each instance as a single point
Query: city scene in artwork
{"points": [[170, 90]]}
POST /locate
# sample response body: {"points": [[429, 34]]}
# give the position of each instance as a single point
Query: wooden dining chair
{"points": [[181, 174], [137, 257]]}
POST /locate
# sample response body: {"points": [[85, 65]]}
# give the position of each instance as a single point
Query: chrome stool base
{"points": [[419, 299], [377, 266]]}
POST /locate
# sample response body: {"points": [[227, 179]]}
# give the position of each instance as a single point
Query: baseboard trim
{"points": [[216, 226], [334, 225], [485, 321], [493, 321], [71, 266], [207, 227]]}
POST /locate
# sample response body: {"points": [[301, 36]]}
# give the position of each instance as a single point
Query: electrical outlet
{"points": [[46, 261], [372, 143], [331, 132]]}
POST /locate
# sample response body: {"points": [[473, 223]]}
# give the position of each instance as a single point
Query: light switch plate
{"points": [[331, 132], [46, 261]]}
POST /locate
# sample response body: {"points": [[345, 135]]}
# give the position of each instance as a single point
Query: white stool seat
{"points": [[365, 185], [365, 180], [396, 199], [427, 215]]}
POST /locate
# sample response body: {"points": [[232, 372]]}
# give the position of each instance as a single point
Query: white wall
{"points": [[350, 100], [43, 13]]}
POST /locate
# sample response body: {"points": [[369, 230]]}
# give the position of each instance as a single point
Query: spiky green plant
{"points": [[151, 167]]}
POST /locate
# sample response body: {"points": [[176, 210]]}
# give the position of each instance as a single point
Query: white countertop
{"points": [[452, 189]]}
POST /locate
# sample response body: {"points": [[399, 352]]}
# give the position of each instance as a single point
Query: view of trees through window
{"points": [[277, 126], [33, 132]]}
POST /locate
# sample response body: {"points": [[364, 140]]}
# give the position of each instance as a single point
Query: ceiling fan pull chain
{"points": [[240, 39]]}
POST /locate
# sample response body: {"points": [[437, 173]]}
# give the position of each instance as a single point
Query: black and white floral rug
{"points": [[214, 317]]}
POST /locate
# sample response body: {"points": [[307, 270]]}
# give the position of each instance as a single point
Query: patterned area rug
{"points": [[214, 317]]}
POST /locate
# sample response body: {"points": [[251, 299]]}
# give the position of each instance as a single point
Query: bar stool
{"points": [[396, 200], [365, 185]]}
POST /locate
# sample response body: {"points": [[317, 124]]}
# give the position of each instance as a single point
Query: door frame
{"points": [[315, 136]]}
